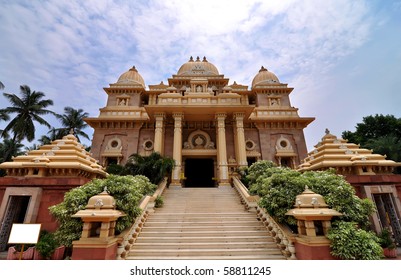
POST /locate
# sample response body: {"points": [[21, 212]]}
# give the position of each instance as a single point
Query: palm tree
{"points": [[29, 108], [9, 149], [32, 148], [52, 135], [73, 119], [3, 117]]}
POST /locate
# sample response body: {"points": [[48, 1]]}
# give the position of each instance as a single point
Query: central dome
{"points": [[198, 68]]}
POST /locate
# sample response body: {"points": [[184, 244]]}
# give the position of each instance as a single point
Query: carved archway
{"points": [[199, 139]]}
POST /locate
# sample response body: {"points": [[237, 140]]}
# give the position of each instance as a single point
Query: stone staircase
{"points": [[203, 223]]}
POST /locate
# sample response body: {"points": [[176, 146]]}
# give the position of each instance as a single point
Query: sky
{"points": [[343, 58]]}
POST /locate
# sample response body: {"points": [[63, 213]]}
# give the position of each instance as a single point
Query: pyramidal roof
{"points": [[346, 158], [64, 157]]}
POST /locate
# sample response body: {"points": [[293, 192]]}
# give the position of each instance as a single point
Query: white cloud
{"points": [[78, 47]]}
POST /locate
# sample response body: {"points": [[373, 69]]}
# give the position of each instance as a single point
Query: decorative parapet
{"points": [[283, 236], [129, 236], [251, 201]]}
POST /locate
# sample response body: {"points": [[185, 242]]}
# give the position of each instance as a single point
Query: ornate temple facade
{"points": [[201, 120]]}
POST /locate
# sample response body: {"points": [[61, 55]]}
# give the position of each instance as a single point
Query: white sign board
{"points": [[24, 234]]}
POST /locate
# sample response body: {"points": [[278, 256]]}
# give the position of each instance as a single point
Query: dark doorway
{"points": [[251, 160], [199, 173], [388, 214], [15, 214]]}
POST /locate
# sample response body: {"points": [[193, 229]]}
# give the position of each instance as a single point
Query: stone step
{"points": [[226, 228], [204, 214], [202, 239], [184, 217], [205, 252], [204, 245], [245, 222], [211, 234], [196, 224]]}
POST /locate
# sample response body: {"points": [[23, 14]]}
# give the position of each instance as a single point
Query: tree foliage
{"points": [[126, 190], [9, 149], [350, 242], [28, 108], [154, 166], [278, 188], [72, 119], [381, 133]]}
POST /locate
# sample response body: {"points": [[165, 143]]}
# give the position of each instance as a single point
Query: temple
{"points": [[370, 174], [202, 121], [39, 179]]}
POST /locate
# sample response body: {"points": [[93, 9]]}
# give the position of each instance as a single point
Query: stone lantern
{"points": [[99, 218], [312, 213], [314, 221]]}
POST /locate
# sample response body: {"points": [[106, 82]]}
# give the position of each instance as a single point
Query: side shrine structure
{"points": [[39, 179], [202, 121], [370, 174]]}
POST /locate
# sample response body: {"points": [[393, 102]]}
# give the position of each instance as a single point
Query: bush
{"points": [[154, 166], [349, 242], [278, 188], [126, 190], [46, 245], [115, 169], [159, 201], [386, 240]]}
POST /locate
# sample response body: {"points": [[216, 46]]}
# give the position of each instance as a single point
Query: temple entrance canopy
{"points": [[199, 117]]}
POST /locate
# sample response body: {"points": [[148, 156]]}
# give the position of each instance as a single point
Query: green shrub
{"points": [[386, 240], [349, 242], [155, 166], [115, 169], [278, 188], [126, 190], [159, 201], [46, 245]]}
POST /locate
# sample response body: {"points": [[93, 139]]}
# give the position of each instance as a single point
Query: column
{"points": [[222, 150], [177, 149], [240, 139], [159, 133]]}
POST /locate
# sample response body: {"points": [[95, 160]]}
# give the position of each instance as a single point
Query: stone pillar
{"points": [[240, 139], [159, 133], [222, 150], [310, 228], [177, 149]]}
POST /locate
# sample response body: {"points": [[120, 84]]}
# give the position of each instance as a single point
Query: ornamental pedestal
{"points": [[97, 241], [313, 221]]}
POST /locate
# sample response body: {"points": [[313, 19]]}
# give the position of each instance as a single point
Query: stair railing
{"points": [[281, 234], [128, 237]]}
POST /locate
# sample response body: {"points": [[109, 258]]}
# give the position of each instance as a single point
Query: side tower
{"points": [[116, 129], [280, 128]]}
